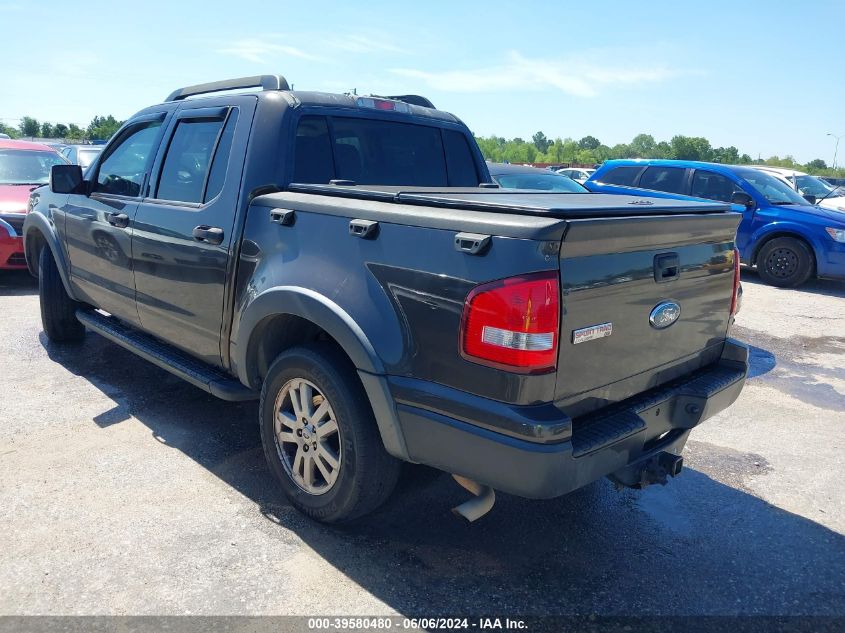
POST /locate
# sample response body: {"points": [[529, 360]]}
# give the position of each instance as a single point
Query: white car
{"points": [[577, 174], [827, 195]]}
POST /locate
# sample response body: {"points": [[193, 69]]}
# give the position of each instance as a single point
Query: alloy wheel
{"points": [[307, 436]]}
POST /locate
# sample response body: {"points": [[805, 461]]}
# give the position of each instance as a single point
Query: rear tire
{"points": [[785, 262], [58, 310], [316, 387]]}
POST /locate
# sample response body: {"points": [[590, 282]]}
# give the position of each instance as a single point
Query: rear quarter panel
{"points": [[405, 290]]}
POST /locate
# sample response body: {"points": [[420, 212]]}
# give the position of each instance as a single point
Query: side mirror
{"points": [[740, 197], [66, 179], [810, 198]]}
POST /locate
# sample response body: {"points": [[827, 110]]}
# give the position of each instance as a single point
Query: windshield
{"points": [[86, 156], [543, 182], [26, 167], [814, 186], [774, 190]]}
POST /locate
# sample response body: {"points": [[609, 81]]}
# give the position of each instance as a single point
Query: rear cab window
{"points": [[372, 151]]}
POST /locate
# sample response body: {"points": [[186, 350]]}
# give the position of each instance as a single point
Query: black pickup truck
{"points": [[346, 260]]}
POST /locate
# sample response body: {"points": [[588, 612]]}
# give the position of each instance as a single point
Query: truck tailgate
{"points": [[614, 273]]}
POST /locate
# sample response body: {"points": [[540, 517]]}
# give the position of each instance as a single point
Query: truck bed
{"points": [[570, 206]]}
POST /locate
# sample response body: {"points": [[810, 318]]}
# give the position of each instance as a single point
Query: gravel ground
{"points": [[126, 491]]}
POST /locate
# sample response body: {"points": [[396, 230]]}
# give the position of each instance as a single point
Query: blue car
{"points": [[785, 237]]}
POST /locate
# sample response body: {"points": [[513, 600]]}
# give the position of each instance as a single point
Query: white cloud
{"points": [[575, 76], [362, 44], [259, 50]]}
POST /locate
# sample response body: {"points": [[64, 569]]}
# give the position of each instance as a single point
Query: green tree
{"points": [[8, 130], [75, 132], [642, 146], [623, 150], [691, 148], [541, 142], [29, 126], [60, 130], [726, 155], [46, 130], [490, 148], [589, 142], [102, 127], [589, 150], [663, 150]]}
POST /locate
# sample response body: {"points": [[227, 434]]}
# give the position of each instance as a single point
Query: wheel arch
{"points": [[284, 317], [784, 231], [38, 234]]}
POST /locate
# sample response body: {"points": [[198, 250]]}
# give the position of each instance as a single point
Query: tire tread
{"points": [[58, 310]]}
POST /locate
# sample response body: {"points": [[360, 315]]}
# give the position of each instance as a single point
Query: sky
{"points": [[765, 76]]}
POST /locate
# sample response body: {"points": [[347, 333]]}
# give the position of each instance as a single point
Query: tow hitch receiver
{"points": [[655, 470]]}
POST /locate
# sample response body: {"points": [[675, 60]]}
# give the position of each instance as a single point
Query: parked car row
{"points": [[793, 225], [81, 155], [815, 190], [786, 237], [579, 174], [23, 167]]}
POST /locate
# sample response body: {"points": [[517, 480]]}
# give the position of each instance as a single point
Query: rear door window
{"points": [[195, 165], [379, 152], [712, 186], [659, 178], [188, 158], [625, 176]]}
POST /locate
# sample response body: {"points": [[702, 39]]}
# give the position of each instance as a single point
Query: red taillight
{"points": [[382, 104], [513, 323], [735, 297]]}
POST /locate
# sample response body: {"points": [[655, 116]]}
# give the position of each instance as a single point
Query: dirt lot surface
{"points": [[126, 491]]}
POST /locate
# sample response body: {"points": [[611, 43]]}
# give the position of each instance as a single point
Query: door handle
{"points": [[208, 234], [120, 220]]}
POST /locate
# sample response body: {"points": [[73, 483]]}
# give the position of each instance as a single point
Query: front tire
{"points": [[785, 262], [58, 310], [320, 437]]}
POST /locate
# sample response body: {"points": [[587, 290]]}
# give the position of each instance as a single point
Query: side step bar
{"points": [[199, 374]]}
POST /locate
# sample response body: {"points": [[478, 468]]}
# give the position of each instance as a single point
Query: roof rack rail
{"points": [[265, 82], [412, 99]]}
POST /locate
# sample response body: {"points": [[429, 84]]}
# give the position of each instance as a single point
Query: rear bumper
{"points": [[533, 452], [11, 248]]}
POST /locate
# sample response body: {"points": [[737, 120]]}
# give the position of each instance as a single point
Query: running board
{"points": [[196, 372]]}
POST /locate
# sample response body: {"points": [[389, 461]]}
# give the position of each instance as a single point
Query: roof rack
{"points": [[412, 99], [265, 82]]}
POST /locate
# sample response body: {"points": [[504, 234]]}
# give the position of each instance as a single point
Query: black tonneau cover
{"points": [[520, 201]]}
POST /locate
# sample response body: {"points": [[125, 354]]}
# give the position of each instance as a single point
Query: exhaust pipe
{"points": [[480, 504]]}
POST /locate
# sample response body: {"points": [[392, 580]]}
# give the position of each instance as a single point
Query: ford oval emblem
{"points": [[664, 314]]}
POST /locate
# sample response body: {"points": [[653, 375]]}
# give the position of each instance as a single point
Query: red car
{"points": [[23, 166]]}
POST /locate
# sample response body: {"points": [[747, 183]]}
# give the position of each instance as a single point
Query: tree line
{"points": [[590, 151], [541, 149], [99, 129]]}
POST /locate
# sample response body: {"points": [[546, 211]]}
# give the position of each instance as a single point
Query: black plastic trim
{"points": [[439, 433], [199, 374]]}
